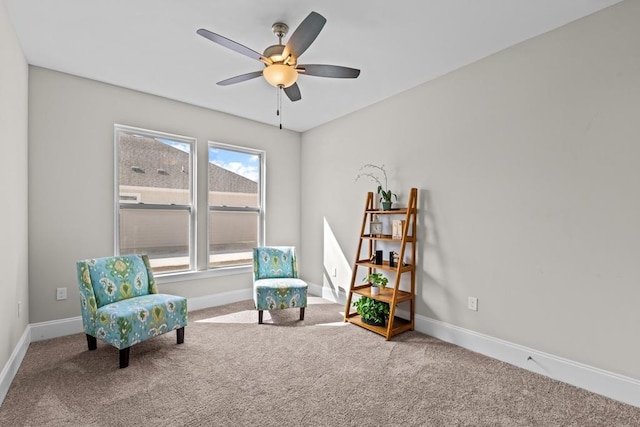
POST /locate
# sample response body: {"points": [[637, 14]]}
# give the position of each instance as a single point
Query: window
{"points": [[156, 201], [235, 204], [155, 211]]}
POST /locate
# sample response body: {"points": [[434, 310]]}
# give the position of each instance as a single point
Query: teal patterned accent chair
{"points": [[275, 280], [121, 305]]}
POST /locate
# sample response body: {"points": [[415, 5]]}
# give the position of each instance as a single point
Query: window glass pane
{"points": [[161, 234], [232, 236], [234, 178], [153, 170]]}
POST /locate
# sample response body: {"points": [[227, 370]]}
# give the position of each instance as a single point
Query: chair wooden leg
{"points": [[260, 317], [92, 342], [301, 313], [124, 357], [180, 335]]}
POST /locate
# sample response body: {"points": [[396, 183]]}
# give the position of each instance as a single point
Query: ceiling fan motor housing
{"points": [[280, 30], [274, 52]]}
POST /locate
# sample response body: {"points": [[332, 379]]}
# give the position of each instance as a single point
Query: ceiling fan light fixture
{"points": [[280, 75]]}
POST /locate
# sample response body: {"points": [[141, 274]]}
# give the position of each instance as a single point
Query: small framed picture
{"points": [[375, 227], [397, 228]]}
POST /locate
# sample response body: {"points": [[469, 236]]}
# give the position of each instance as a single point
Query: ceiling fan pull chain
{"points": [[280, 104]]}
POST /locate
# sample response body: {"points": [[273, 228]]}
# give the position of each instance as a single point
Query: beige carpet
{"points": [[319, 372]]}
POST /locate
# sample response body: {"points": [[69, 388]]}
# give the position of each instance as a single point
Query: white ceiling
{"points": [[152, 45]]}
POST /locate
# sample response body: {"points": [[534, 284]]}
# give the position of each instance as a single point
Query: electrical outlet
{"points": [[472, 303], [334, 272], [61, 294]]}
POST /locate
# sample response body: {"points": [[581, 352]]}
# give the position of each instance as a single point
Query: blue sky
{"points": [[244, 164]]}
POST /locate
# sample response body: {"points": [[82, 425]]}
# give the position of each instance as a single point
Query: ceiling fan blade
{"points": [[240, 78], [293, 92], [304, 35], [230, 44], [334, 71]]}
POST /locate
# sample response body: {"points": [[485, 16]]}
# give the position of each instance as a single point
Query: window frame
{"points": [[262, 156], [190, 208]]}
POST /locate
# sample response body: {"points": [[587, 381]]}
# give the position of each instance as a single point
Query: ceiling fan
{"points": [[281, 61]]}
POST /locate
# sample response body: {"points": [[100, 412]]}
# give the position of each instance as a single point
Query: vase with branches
{"points": [[377, 174]]}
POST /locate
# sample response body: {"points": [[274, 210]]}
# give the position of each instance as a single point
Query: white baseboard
{"points": [[56, 328], [338, 295], [314, 289], [73, 325], [11, 367], [200, 303], [609, 384], [605, 383]]}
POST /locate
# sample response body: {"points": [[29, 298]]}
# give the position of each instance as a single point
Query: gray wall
{"points": [[527, 165], [71, 179], [13, 189]]}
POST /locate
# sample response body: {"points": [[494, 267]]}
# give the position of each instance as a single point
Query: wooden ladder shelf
{"points": [[391, 294]]}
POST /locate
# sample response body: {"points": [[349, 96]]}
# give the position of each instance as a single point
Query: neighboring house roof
{"points": [[147, 162]]}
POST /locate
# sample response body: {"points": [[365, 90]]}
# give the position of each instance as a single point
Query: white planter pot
{"points": [[375, 290]]}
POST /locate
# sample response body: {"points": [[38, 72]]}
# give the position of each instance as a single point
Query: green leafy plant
{"points": [[372, 311], [372, 171], [386, 195], [376, 279]]}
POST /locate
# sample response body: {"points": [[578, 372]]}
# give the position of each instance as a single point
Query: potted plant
{"points": [[385, 194], [385, 198], [377, 281], [371, 311]]}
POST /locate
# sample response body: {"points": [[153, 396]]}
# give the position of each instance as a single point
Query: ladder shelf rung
{"points": [[399, 325], [384, 266], [387, 238], [385, 295]]}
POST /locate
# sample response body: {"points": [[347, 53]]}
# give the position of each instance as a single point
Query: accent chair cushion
{"points": [[118, 278], [279, 293], [128, 322], [274, 262]]}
